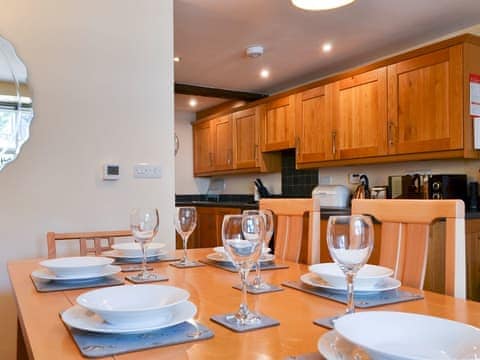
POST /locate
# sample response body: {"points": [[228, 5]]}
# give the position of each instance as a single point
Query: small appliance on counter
{"points": [[331, 196], [421, 186], [363, 189]]}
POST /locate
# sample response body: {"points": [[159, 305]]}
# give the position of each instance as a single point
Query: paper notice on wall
{"points": [[474, 95]]}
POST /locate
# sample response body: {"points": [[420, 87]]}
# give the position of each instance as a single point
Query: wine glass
{"points": [[144, 225], [242, 237], [350, 243], [258, 282], [185, 223]]}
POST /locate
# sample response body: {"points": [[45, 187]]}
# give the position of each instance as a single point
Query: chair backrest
{"points": [[297, 229], [405, 238], [90, 242]]}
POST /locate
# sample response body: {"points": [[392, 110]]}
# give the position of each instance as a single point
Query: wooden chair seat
{"points": [[405, 237], [90, 242], [297, 229]]}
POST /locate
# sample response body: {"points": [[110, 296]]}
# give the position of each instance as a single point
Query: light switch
{"points": [[147, 171]]}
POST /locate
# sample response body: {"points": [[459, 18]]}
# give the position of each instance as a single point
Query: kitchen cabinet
{"points": [[222, 143], [313, 115], [208, 232], [473, 258], [359, 121], [202, 147], [425, 103], [278, 124]]}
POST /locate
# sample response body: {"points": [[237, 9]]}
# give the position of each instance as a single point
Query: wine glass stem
{"points": [[144, 259], [185, 239], [243, 305], [350, 300], [258, 277]]}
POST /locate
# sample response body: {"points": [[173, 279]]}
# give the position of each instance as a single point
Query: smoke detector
{"points": [[254, 51]]}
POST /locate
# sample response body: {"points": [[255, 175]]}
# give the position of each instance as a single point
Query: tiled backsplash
{"points": [[298, 183]]}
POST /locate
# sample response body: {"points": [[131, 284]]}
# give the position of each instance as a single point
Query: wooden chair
{"points": [[405, 238], [297, 229], [85, 239]]}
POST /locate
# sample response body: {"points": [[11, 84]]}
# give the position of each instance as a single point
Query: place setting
{"points": [[75, 272], [350, 243], [243, 237], [115, 320]]}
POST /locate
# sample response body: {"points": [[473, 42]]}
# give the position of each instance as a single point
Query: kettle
{"points": [[363, 190]]}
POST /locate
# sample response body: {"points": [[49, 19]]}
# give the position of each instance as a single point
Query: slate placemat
{"points": [[150, 260], [361, 300], [95, 345], [230, 267], [53, 285]]}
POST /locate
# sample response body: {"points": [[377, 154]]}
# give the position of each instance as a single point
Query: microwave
{"points": [[438, 186]]}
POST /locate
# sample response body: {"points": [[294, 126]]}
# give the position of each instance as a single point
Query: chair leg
{"points": [[22, 353]]}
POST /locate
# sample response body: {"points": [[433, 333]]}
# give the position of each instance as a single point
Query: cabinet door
{"points": [[207, 233], [314, 124], [202, 148], [425, 103], [245, 138], [222, 140], [360, 116], [278, 124]]}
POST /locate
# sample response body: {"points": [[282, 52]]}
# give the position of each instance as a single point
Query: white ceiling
{"points": [[211, 36]]}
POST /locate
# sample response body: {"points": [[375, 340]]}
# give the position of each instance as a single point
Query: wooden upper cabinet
{"points": [[246, 137], [313, 117], [278, 124], [222, 143], [202, 148], [425, 103], [360, 115]]}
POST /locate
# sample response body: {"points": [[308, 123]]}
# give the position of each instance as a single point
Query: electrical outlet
{"points": [[354, 178], [147, 171]]}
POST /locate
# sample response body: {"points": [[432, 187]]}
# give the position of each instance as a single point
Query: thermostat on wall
{"points": [[111, 172]]}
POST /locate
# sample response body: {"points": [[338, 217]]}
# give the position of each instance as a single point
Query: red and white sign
{"points": [[475, 95]]}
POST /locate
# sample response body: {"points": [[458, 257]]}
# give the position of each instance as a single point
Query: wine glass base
{"points": [[263, 288], [187, 264], [226, 320], [146, 278]]}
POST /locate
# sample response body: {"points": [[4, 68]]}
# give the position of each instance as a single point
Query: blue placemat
{"points": [[366, 300], [95, 345], [54, 285], [270, 265], [265, 322], [256, 291]]}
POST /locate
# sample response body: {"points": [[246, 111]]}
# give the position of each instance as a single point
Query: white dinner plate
{"points": [[219, 257], [133, 303], [44, 274], [76, 265], [118, 255], [133, 249], [368, 275], [334, 347], [406, 336], [317, 281], [80, 318]]}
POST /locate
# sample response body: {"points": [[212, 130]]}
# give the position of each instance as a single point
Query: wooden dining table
{"points": [[42, 334]]}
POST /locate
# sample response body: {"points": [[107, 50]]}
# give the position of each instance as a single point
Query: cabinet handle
{"points": [[255, 155], [210, 156], [334, 145], [229, 156], [390, 133]]}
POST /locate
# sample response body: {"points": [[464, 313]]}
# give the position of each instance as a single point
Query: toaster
{"points": [[331, 196]]}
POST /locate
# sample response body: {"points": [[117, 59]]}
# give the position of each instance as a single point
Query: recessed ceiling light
{"points": [[327, 47], [177, 58], [264, 73], [192, 102], [320, 4]]}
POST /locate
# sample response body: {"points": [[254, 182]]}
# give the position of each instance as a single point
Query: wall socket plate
{"points": [[147, 171], [354, 178]]}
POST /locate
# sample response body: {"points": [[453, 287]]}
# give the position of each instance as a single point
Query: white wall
{"points": [[102, 79]]}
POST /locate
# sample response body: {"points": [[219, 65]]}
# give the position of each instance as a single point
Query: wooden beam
{"points": [[187, 89]]}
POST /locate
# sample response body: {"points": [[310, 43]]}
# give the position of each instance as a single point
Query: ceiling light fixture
{"points": [[320, 4], [192, 102], [177, 58], [327, 47], [254, 51], [264, 73]]}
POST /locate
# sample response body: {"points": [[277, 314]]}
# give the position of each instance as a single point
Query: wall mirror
{"points": [[16, 112]]}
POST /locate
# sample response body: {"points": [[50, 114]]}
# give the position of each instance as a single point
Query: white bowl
{"points": [[77, 265], [405, 336], [367, 276], [133, 303], [134, 249]]}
